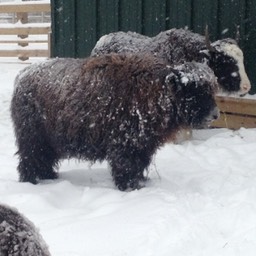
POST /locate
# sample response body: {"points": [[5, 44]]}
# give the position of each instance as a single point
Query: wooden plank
{"points": [[32, 6], [24, 30], [26, 25], [23, 41], [49, 45], [237, 105], [236, 113], [231, 121], [24, 53]]}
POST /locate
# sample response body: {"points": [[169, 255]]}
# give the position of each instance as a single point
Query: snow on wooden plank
{"points": [[22, 41], [25, 29], [9, 39], [25, 53], [31, 6], [43, 45], [25, 25]]}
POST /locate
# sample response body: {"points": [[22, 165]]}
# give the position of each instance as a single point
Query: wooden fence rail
{"points": [[236, 113], [26, 46]]}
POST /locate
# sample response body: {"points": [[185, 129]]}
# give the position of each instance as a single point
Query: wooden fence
{"points": [[236, 113], [32, 39]]}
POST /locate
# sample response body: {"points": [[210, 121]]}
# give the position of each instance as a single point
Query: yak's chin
{"points": [[204, 125]]}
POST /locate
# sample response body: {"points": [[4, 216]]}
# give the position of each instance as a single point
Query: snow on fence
{"points": [[24, 39]]}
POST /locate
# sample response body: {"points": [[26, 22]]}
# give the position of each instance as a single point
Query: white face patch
{"points": [[235, 52]]}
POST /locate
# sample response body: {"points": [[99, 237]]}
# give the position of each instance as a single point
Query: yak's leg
{"points": [[128, 168], [36, 163], [36, 157]]}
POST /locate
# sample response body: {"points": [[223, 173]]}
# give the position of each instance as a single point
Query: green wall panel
{"points": [[249, 39], [130, 15], [86, 21], [153, 13], [107, 16], [178, 13], [205, 13], [231, 15], [64, 27]]}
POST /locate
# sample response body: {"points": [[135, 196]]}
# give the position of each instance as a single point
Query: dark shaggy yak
{"points": [[19, 236], [178, 46], [118, 108]]}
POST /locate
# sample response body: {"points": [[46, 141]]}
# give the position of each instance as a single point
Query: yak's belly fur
{"points": [[118, 108]]}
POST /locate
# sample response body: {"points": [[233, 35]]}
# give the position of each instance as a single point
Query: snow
{"points": [[24, 3], [200, 200], [26, 25]]}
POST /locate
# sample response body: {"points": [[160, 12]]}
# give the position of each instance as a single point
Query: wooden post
{"points": [[23, 18], [49, 44]]}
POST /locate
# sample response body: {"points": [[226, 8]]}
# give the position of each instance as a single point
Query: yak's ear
{"points": [[171, 79]]}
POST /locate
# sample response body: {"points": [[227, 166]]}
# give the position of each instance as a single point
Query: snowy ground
{"points": [[201, 200]]}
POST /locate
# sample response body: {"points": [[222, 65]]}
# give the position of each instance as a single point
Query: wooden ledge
{"points": [[31, 6], [25, 29], [236, 113]]}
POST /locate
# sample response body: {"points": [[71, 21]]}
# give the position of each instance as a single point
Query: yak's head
{"points": [[193, 88], [226, 59]]}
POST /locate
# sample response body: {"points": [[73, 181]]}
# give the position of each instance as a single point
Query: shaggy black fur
{"points": [[18, 236], [115, 107], [178, 46]]}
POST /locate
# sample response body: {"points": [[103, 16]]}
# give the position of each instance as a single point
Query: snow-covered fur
{"points": [[178, 46], [115, 107], [19, 236]]}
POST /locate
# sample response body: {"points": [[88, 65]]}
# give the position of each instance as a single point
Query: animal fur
{"points": [[178, 46], [119, 108], [19, 236]]}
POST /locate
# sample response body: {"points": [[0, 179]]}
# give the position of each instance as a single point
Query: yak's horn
{"points": [[207, 40]]}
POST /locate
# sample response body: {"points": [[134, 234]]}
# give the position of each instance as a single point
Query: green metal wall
{"points": [[78, 24]]}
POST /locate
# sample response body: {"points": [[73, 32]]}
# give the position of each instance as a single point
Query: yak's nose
{"points": [[245, 88], [215, 113]]}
